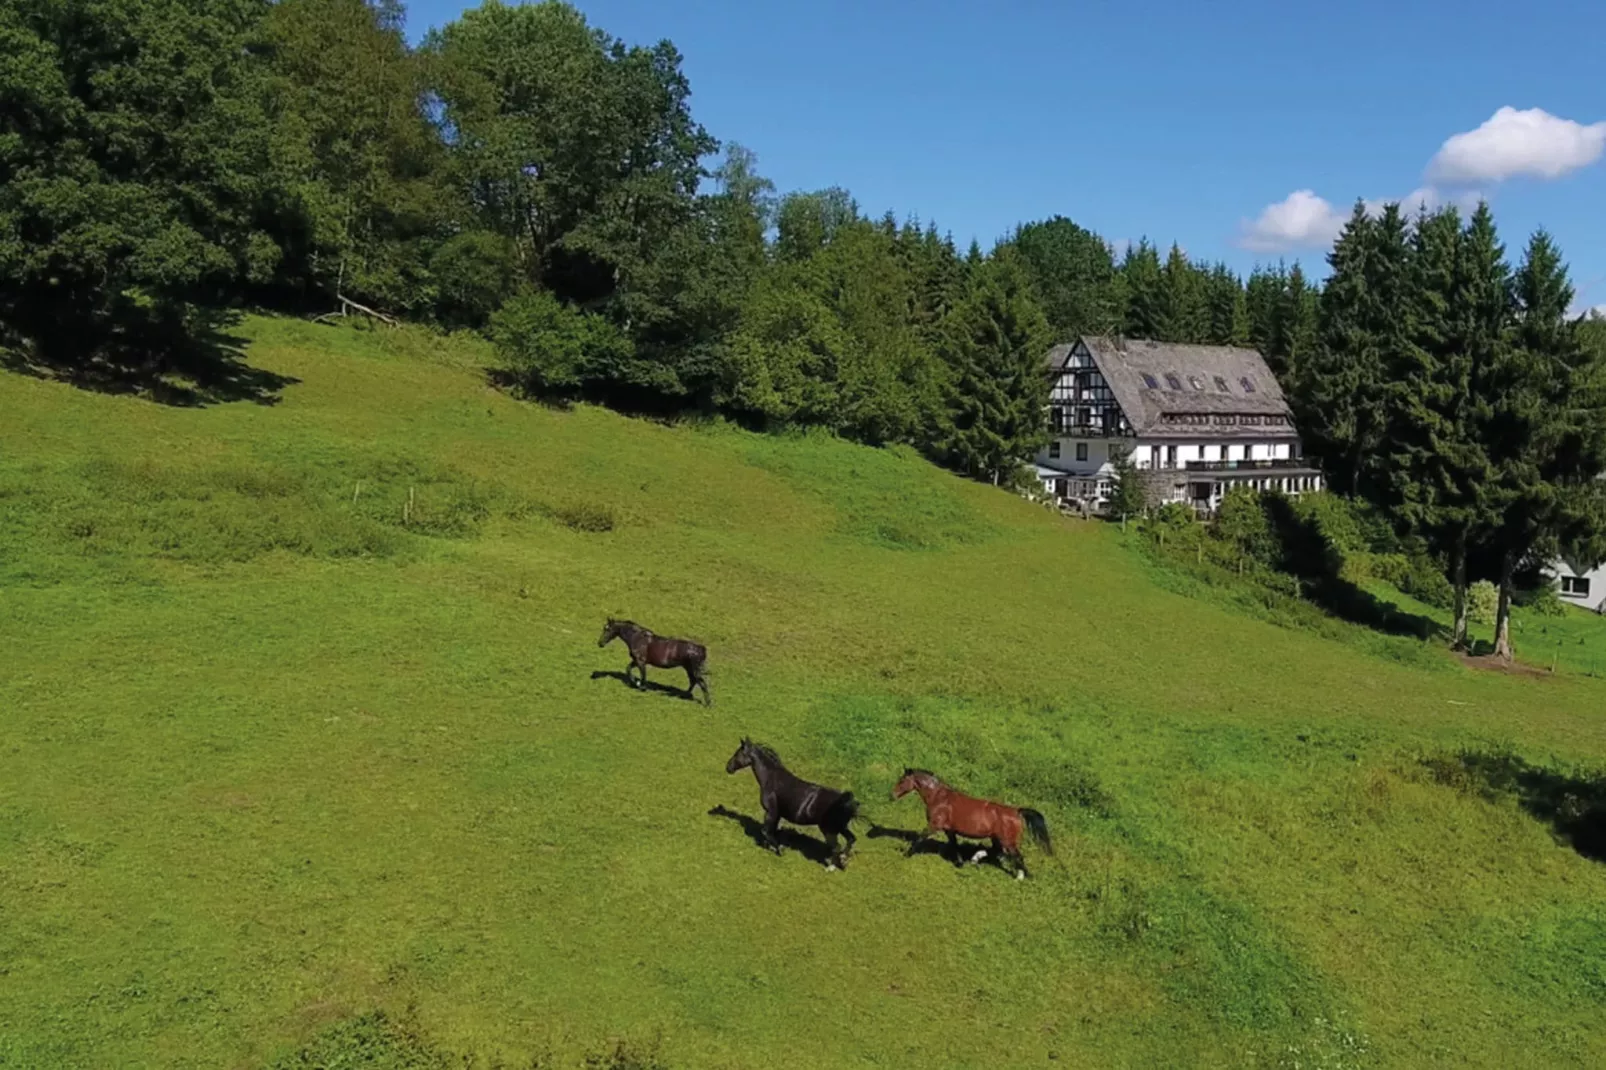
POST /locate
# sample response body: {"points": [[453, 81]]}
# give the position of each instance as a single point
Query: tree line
{"points": [[527, 175], [524, 174]]}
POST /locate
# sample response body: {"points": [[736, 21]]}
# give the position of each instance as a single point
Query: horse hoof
{"points": [[1020, 876], [830, 867], [977, 857]]}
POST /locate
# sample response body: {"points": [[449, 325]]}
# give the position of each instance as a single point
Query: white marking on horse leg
{"points": [[978, 856], [1019, 875], [830, 867]]}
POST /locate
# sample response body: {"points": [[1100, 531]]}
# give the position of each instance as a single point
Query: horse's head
{"points": [[913, 780], [742, 758], [609, 631]]}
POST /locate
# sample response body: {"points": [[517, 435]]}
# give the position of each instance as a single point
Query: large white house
{"points": [[1196, 420]]}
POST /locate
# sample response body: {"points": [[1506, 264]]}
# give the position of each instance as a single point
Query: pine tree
{"points": [[1546, 425], [1184, 312], [1144, 284], [1227, 313], [997, 392], [1264, 307], [1364, 315], [1297, 320], [1437, 476]]}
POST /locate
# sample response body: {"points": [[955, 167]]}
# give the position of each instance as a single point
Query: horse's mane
{"points": [[765, 751], [923, 772]]}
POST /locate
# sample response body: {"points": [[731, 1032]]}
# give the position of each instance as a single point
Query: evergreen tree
{"points": [[1227, 310], [997, 392], [1145, 298], [1074, 273], [1265, 306], [1437, 476], [1184, 315], [1297, 322], [1364, 315], [1546, 426]]}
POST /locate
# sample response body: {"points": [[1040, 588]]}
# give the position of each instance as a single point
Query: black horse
{"points": [[782, 794], [648, 649]]}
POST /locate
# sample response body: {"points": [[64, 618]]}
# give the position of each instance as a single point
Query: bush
{"points": [[1424, 581], [1483, 601], [1544, 600], [548, 347]]}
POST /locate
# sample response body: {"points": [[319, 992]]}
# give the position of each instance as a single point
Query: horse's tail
{"points": [[1038, 828], [845, 810]]}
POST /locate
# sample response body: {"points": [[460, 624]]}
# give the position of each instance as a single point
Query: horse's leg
{"points": [[998, 849], [832, 856], [847, 834], [772, 829], [954, 849]]}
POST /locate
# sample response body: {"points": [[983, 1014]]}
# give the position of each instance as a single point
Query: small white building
{"points": [[1581, 585], [1197, 419]]}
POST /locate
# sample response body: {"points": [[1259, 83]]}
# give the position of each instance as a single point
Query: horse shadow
{"points": [[938, 845], [652, 685], [809, 847]]}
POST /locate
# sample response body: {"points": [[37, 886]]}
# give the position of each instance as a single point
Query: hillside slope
{"points": [[304, 718]]}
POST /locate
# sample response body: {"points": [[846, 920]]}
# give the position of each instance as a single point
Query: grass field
{"points": [[295, 773]]}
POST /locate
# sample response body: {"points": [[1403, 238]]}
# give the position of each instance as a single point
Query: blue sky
{"points": [[1237, 129]]}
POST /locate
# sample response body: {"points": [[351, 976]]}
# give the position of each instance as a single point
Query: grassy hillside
{"points": [[293, 772]]}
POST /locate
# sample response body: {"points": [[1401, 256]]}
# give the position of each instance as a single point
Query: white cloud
{"points": [[1512, 142], [1301, 220]]}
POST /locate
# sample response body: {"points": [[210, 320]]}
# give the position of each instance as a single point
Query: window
{"points": [[1577, 586], [1150, 381], [1221, 385], [1057, 419], [1196, 382], [1170, 456], [1054, 449], [1173, 382], [1249, 388], [1081, 451]]}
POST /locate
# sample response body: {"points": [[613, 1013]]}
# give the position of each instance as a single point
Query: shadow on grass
{"points": [[205, 367], [1573, 805], [958, 854], [809, 847], [652, 685], [1307, 556]]}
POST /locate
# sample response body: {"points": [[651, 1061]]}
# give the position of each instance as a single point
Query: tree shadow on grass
{"points": [[652, 685], [1572, 804], [1307, 556], [206, 366]]}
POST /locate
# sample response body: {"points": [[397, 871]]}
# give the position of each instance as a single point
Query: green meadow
{"points": [[309, 758]]}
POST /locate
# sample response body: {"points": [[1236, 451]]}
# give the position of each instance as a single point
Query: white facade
{"points": [[1581, 586]]}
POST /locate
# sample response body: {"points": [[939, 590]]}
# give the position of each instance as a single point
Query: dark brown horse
{"points": [[648, 649], [783, 794], [959, 814]]}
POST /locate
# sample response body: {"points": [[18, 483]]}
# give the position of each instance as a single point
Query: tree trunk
{"points": [[1458, 577], [1502, 617]]}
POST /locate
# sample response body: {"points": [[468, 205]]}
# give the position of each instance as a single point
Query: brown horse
{"points": [[959, 814], [648, 649]]}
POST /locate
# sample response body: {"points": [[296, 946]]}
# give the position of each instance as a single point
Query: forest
{"points": [[527, 176]]}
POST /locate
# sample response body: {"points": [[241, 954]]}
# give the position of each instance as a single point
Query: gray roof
{"points": [[1124, 362]]}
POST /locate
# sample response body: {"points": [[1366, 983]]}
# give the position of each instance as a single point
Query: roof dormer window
{"points": [[1173, 382]]}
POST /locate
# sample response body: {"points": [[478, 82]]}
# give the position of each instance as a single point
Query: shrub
{"points": [[585, 517], [1483, 600], [548, 347], [1544, 600]]}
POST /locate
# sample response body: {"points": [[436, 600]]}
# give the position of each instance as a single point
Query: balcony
{"points": [[1280, 463]]}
